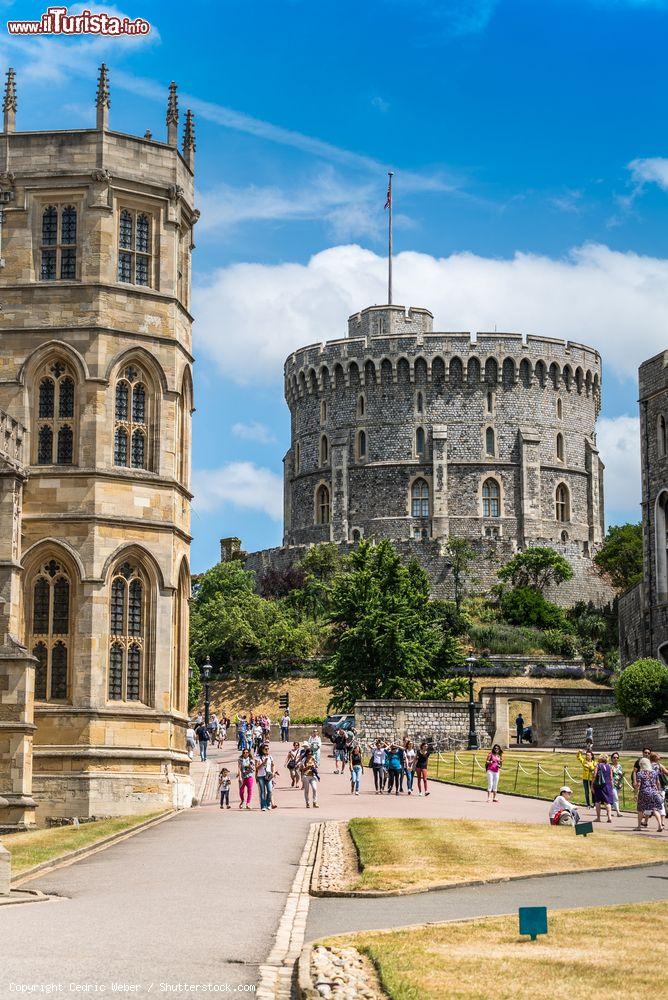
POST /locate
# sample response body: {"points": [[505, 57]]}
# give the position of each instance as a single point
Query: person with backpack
{"points": [[602, 787], [265, 773], [356, 768], [341, 751], [202, 739], [310, 778], [395, 764], [292, 764], [493, 766]]}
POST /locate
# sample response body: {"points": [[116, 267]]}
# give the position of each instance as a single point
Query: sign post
{"points": [[533, 920]]}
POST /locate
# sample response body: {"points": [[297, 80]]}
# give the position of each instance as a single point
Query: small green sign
{"points": [[582, 829], [533, 920]]}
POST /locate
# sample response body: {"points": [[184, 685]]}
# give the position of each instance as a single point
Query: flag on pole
{"points": [[388, 201]]}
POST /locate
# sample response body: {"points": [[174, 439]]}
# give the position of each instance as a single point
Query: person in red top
{"points": [[493, 767]]}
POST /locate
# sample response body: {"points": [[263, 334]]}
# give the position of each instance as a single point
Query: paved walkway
{"points": [[199, 897]]}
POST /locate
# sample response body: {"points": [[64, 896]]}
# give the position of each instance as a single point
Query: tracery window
{"points": [[127, 618], [322, 509], [131, 419], [134, 247], [55, 416], [420, 498], [50, 639], [59, 243], [562, 503], [491, 498]]}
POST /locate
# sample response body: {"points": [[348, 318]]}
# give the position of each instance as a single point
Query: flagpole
{"points": [[389, 241]]}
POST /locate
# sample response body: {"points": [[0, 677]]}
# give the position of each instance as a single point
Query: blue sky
{"points": [[528, 141]]}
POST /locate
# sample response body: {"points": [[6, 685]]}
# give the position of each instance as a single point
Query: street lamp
{"points": [[205, 673], [471, 660]]}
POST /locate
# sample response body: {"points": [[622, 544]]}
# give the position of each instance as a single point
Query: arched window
{"points": [[420, 498], [322, 513], [185, 410], [419, 442], [361, 445], [490, 401], [131, 419], [490, 441], [491, 498], [50, 638], [419, 403], [324, 450], [134, 247], [661, 435], [55, 415], [661, 543], [361, 405], [323, 411], [560, 408], [180, 634], [560, 447], [562, 503], [356, 535], [59, 243], [127, 622]]}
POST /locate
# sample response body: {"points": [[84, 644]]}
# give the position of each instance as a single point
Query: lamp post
{"points": [[471, 659], [205, 673]]}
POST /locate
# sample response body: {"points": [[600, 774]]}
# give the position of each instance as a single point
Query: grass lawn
{"points": [[585, 951], [415, 853], [37, 846], [521, 773]]}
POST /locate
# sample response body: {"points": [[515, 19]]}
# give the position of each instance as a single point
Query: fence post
{"points": [[517, 774], [438, 761], [472, 769], [454, 765], [538, 779]]}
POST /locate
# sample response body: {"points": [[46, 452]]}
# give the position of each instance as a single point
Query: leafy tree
{"points": [[536, 567], [461, 556], [641, 691], [527, 606], [194, 685], [386, 641], [276, 583], [320, 567], [620, 556]]}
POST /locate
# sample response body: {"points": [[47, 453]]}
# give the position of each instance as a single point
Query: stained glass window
{"points": [[45, 446], [61, 607], [58, 385], [65, 446], [69, 225], [68, 263], [134, 247], [46, 398], [59, 671], [134, 671], [40, 651], [41, 599], [122, 400], [127, 631], [118, 607], [125, 230], [65, 398], [120, 447], [116, 673], [50, 226], [135, 608], [48, 270], [139, 404], [51, 626], [59, 258], [125, 266], [138, 450], [143, 233], [131, 420]]}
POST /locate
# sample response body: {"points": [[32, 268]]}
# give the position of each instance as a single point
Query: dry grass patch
{"points": [[417, 853], [307, 698], [36, 846], [602, 949]]}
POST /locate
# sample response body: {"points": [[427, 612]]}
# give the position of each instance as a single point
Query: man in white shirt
{"points": [[563, 804], [285, 728], [190, 741], [315, 743]]}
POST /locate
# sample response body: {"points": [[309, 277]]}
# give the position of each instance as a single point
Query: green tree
{"points": [[620, 556], [641, 690], [320, 567], [527, 606], [536, 567], [194, 685], [386, 641], [461, 557]]}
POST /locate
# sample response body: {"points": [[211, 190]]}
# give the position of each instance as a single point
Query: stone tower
{"points": [[96, 365]]}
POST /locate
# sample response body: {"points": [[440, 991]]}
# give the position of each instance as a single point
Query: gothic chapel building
{"points": [[96, 233]]}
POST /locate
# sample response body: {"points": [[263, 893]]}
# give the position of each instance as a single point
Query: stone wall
{"points": [[609, 728], [441, 722]]}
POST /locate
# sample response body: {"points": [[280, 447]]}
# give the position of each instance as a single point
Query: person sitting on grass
{"points": [[562, 811]]}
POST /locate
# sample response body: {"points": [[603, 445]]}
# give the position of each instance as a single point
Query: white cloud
{"points": [[650, 170], [254, 431], [240, 484], [618, 440], [251, 316]]}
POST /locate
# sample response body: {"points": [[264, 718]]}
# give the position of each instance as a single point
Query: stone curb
{"points": [[33, 896], [83, 852]]}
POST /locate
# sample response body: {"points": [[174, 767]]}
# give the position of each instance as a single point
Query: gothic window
{"points": [[356, 535], [55, 414], [322, 513], [560, 447], [490, 401], [131, 419], [134, 247], [50, 638], [419, 442], [361, 405], [490, 441], [562, 503], [324, 450], [419, 403], [59, 243], [323, 411], [661, 435], [560, 409], [127, 630], [361, 445], [491, 498], [420, 498]]}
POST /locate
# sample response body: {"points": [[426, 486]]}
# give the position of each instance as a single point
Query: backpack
{"points": [[599, 781]]}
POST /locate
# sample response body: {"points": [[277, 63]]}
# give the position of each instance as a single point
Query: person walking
{"points": [[421, 765], [409, 765], [292, 763], [519, 728], [224, 782], [341, 751], [315, 743], [202, 739], [378, 759], [242, 725], [310, 778], [356, 768], [245, 774], [395, 764], [588, 765], [190, 741], [493, 766], [617, 781], [265, 773], [285, 727], [602, 787], [650, 798], [661, 777]]}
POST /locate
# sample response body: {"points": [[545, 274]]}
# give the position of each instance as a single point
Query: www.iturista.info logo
{"points": [[56, 21]]}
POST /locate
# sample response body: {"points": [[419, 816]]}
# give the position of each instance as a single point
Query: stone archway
{"points": [[497, 700]]}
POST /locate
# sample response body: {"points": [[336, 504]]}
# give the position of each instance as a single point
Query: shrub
{"points": [[588, 651], [560, 643], [527, 606], [641, 692], [498, 637]]}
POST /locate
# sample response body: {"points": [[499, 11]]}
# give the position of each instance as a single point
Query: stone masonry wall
{"points": [[608, 729], [441, 722]]}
